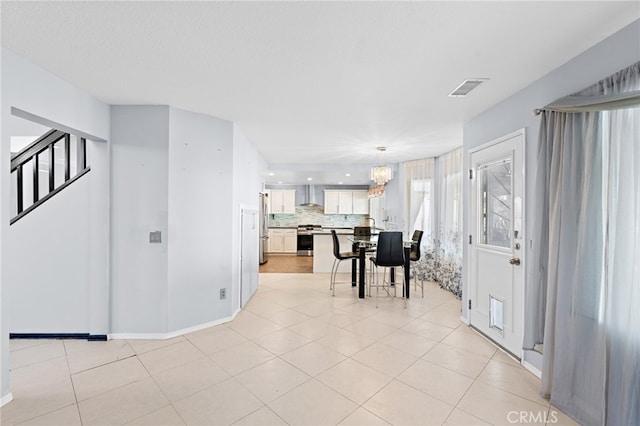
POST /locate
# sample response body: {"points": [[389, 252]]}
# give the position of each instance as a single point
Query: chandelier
{"points": [[381, 174], [376, 191]]}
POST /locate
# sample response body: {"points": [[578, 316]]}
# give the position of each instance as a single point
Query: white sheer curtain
{"points": [[622, 290], [433, 204], [419, 197], [584, 285], [448, 263]]}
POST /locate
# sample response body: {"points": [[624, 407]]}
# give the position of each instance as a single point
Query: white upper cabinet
{"points": [[360, 202], [345, 202], [331, 202], [282, 201]]}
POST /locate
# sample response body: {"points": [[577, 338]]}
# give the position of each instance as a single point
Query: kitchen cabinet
{"points": [[283, 240], [290, 241], [360, 202], [331, 202], [346, 202], [282, 201], [323, 257], [276, 240], [345, 199]]}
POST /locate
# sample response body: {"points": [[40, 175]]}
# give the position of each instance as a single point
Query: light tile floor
{"points": [[294, 356]]}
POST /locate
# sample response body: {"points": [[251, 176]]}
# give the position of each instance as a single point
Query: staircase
{"points": [[43, 168]]}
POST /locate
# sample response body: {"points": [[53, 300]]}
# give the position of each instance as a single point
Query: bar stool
{"points": [[339, 257], [389, 254], [414, 257]]}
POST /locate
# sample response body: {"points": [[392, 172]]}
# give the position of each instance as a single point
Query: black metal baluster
{"points": [[82, 154], [36, 170], [20, 183], [67, 157], [52, 182]]}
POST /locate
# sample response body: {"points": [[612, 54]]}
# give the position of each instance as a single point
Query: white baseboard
{"points": [[464, 320], [532, 369], [6, 399], [172, 334]]}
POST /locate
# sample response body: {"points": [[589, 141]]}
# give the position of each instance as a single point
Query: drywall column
{"points": [[199, 238], [100, 240], [172, 171], [139, 205], [5, 155]]}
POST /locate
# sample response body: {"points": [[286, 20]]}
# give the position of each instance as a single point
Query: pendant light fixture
{"points": [[381, 174]]}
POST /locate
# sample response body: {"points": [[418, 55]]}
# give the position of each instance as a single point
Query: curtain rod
{"points": [[573, 103]]}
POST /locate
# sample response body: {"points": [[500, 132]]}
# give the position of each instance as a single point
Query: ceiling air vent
{"points": [[466, 86]]}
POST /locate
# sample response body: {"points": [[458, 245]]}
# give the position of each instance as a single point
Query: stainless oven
{"points": [[305, 239]]}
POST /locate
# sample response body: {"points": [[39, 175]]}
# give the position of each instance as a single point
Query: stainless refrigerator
{"points": [[263, 230]]}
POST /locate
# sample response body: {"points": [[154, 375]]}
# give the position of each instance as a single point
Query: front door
{"points": [[496, 215]]}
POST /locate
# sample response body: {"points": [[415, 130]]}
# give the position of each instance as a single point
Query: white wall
{"points": [[49, 265], [248, 167], [148, 177], [139, 205], [200, 211], [172, 171], [609, 56], [44, 96]]}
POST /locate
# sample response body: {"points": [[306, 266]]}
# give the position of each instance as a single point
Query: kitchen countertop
{"points": [[345, 231], [340, 230]]}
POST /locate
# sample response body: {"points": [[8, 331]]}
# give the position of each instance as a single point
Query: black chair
{"points": [[363, 233], [339, 257], [389, 254], [415, 257]]}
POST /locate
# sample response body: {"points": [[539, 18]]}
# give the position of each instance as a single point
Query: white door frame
{"points": [[471, 284]]}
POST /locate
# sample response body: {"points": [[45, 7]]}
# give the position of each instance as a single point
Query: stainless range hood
{"points": [[311, 199]]}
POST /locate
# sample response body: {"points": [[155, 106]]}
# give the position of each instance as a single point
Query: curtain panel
{"points": [[419, 197], [438, 183], [448, 268], [583, 284]]}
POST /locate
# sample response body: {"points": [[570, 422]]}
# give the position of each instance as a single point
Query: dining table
{"points": [[361, 246]]}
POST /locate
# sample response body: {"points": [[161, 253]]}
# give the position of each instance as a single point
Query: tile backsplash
{"points": [[314, 215]]}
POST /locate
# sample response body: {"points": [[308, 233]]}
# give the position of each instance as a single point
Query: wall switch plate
{"points": [[155, 237], [223, 293]]}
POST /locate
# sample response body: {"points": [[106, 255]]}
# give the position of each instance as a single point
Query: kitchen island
{"points": [[323, 249]]}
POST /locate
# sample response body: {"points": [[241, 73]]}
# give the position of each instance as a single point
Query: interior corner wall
{"points": [[248, 167], [607, 57], [40, 93], [199, 237], [139, 205]]}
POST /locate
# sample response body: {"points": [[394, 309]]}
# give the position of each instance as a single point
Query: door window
{"points": [[496, 203]]}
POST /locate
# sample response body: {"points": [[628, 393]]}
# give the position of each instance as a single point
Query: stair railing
{"points": [[42, 152]]}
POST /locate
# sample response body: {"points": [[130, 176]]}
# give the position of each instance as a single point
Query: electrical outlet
{"points": [[223, 293]]}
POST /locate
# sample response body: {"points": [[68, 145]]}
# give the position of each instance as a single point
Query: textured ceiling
{"points": [[313, 83]]}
